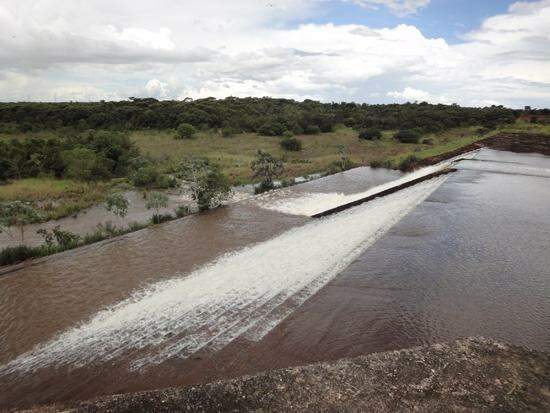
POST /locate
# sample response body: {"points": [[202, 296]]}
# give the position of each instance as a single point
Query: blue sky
{"points": [[471, 52], [448, 19]]}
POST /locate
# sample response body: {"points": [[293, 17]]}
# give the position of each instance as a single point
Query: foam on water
{"points": [[310, 204], [245, 293]]}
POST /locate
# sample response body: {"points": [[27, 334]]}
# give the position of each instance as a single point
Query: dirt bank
{"points": [[471, 375], [513, 142]]}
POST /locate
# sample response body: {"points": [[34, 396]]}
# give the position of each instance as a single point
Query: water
{"points": [[248, 288], [86, 221]]}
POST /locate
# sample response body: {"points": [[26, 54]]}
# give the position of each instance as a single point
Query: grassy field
{"points": [[57, 198], [236, 153]]}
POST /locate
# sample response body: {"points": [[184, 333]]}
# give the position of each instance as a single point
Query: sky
{"points": [[470, 52]]}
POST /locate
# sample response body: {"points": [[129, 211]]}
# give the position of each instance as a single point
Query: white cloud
{"points": [[410, 94], [399, 7], [172, 49]]}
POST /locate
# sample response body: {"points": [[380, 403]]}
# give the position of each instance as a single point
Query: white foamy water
{"points": [[310, 204], [247, 292]]}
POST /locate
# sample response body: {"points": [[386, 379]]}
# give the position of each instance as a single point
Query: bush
{"points": [[370, 134], [146, 176], [297, 130], [408, 136], [428, 141], [228, 132], [185, 131], [312, 130], [291, 144], [288, 134], [13, 255], [272, 129], [182, 211], [166, 181], [160, 218], [378, 163], [408, 164], [264, 187], [85, 165]]}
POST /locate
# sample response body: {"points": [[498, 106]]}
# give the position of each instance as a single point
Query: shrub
{"points": [[160, 218], [272, 129], [182, 210], [288, 134], [117, 204], [297, 130], [408, 136], [370, 134], [379, 163], [228, 132], [428, 141], [263, 187], [85, 164], [209, 185], [408, 164], [185, 131], [146, 176], [156, 201], [291, 144], [13, 255], [266, 167], [312, 130], [166, 181]]}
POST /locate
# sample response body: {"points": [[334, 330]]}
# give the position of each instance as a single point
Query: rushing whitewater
{"points": [[245, 293], [310, 204]]}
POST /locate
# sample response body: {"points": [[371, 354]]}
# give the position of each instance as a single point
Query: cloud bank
{"points": [[82, 50]]}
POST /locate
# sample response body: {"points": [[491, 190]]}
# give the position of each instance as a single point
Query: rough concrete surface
{"points": [[471, 375]]}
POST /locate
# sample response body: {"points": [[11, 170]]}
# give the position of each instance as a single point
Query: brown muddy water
{"points": [[260, 285]]}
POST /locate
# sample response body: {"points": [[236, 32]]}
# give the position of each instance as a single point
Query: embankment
{"points": [[512, 142], [471, 375]]}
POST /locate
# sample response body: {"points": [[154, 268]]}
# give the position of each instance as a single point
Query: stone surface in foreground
{"points": [[467, 375]]}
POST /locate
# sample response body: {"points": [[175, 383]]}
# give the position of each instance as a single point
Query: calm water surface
{"points": [[245, 288]]}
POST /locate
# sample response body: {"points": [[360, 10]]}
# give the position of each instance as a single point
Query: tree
{"points": [[185, 131], [84, 164], [18, 214], [408, 136], [156, 201], [117, 204], [266, 167], [343, 163], [370, 134], [208, 185]]}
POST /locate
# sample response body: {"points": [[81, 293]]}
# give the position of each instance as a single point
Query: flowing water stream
{"points": [[260, 285]]}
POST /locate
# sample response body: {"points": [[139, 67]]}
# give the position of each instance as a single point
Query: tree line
{"points": [[83, 156], [266, 116]]}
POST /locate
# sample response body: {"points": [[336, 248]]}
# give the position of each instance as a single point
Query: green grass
{"points": [[57, 198], [319, 151], [522, 126]]}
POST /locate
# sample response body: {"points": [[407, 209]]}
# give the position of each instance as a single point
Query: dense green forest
{"points": [[262, 115]]}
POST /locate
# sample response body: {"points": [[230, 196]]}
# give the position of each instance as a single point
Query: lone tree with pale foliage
{"points": [[18, 214], [117, 204], [266, 168], [208, 184], [156, 201]]}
